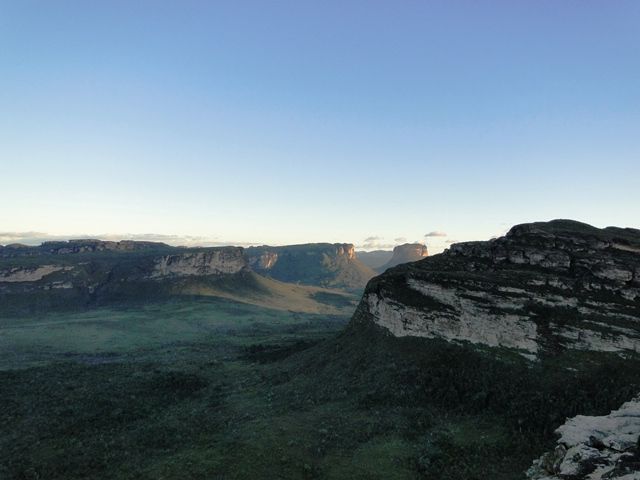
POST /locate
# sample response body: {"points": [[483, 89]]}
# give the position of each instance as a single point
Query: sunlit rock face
{"points": [[593, 448], [227, 260], [29, 274], [409, 252], [346, 250], [263, 261], [544, 287]]}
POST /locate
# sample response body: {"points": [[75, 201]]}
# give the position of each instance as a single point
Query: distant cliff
{"points": [[544, 287], [408, 252], [321, 264], [84, 272], [78, 246], [219, 261]]}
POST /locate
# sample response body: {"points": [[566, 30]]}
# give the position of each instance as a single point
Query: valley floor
{"points": [[193, 389], [212, 389]]}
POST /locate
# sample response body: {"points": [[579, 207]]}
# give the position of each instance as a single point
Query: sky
{"points": [[278, 122]]}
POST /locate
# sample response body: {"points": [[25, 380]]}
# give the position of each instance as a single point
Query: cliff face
{"points": [[208, 262], [80, 273], [409, 252], [263, 261], [320, 264], [29, 274], [544, 287], [606, 447]]}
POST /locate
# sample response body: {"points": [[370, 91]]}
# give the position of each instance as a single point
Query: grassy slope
{"points": [[266, 292], [315, 264], [115, 333]]}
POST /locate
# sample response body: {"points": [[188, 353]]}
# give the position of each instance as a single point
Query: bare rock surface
{"points": [[543, 287], [207, 262], [594, 448], [29, 274], [408, 252]]}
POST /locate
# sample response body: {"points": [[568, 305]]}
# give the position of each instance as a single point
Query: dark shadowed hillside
{"points": [[321, 264]]}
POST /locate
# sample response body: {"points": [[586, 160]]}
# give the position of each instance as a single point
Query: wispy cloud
{"points": [[28, 238], [435, 233], [375, 242]]}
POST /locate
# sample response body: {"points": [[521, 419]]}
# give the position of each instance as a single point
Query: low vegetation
{"points": [[216, 389]]}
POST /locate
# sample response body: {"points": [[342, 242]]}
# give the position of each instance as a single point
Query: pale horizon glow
{"points": [[296, 122]]}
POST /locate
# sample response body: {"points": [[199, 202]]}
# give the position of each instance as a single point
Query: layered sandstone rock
{"points": [[219, 261], [543, 287], [29, 274], [594, 448]]}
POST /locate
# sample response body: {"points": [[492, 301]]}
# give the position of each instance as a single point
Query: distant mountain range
{"points": [[313, 278]]}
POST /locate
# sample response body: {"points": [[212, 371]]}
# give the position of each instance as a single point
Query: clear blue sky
{"points": [[298, 121]]}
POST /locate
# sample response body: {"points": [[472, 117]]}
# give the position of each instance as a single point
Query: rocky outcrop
{"points": [[544, 287], [321, 264], [346, 250], [263, 261], [221, 261], [409, 252], [593, 448], [29, 274]]}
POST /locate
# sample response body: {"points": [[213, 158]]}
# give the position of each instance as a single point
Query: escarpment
{"points": [[207, 262], [80, 246], [321, 264], [408, 252], [79, 273], [542, 288]]}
